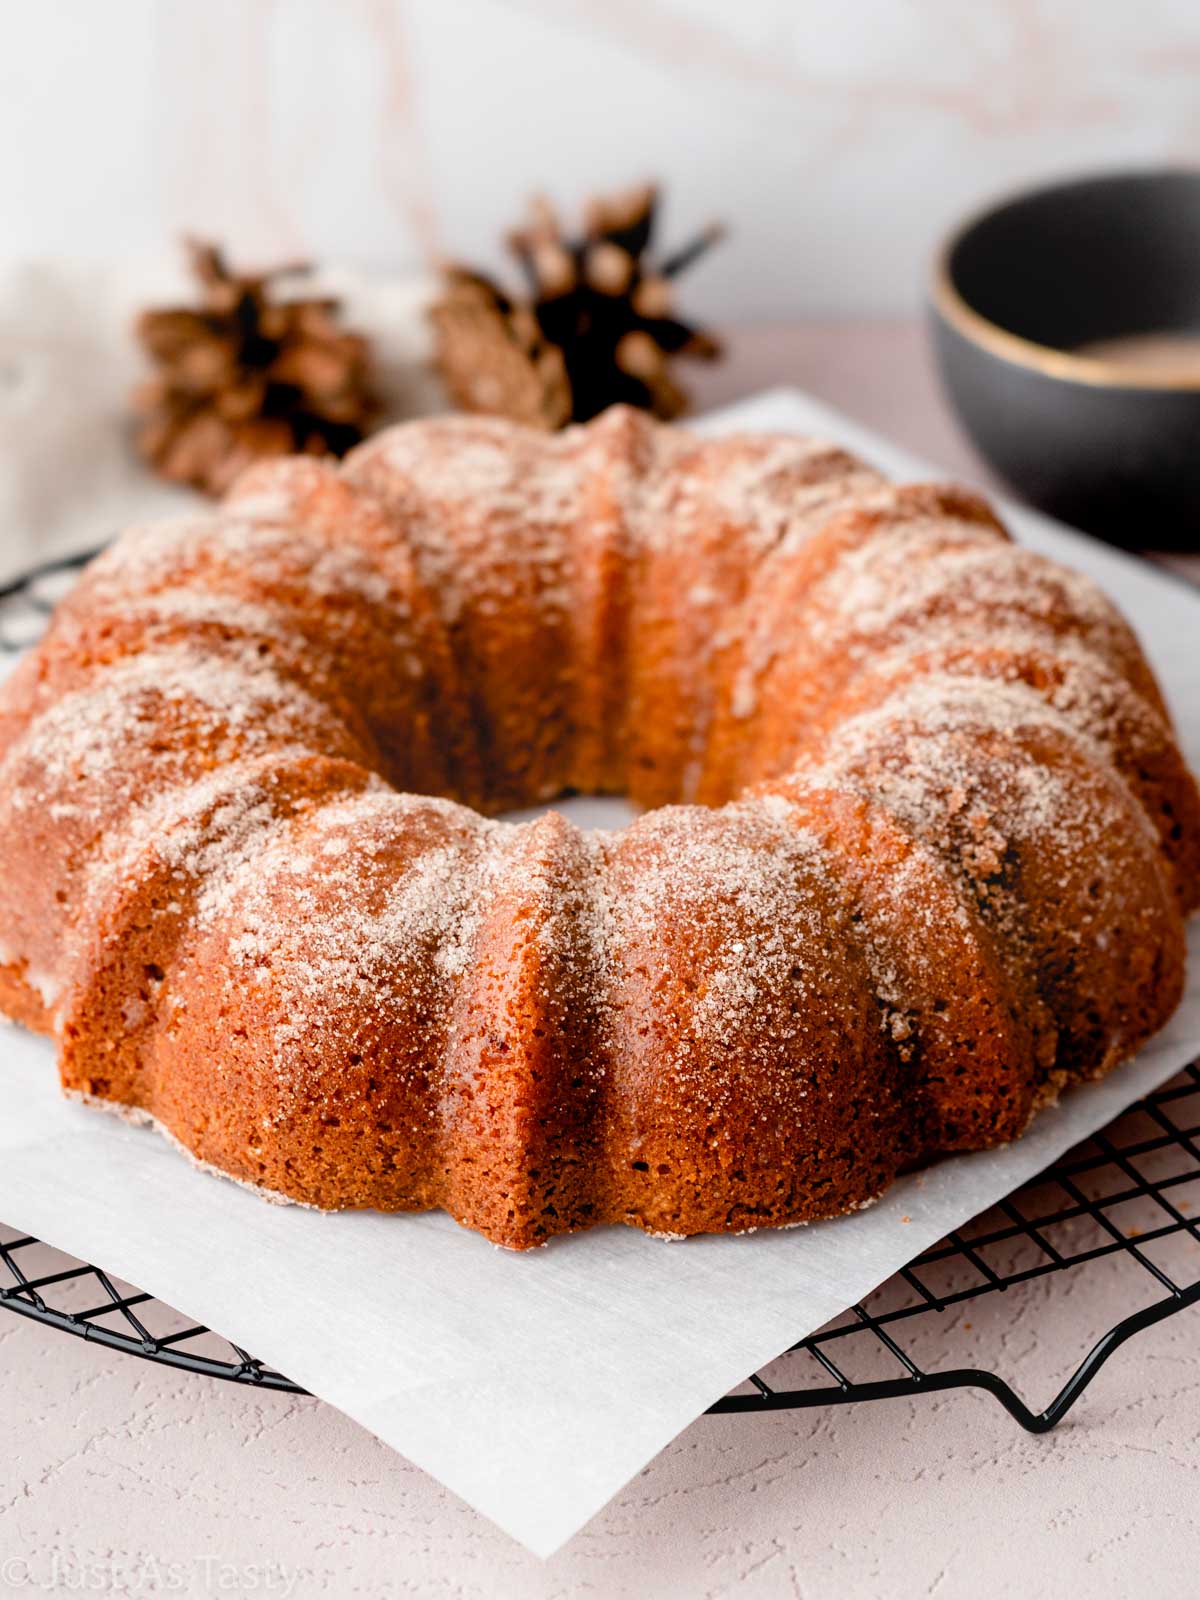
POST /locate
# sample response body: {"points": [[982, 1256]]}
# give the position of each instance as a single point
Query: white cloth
{"points": [[69, 477]]}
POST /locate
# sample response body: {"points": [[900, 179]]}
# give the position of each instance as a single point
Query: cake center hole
{"points": [[610, 812]]}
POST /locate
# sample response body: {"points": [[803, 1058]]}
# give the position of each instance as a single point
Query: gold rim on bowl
{"points": [[1014, 347]]}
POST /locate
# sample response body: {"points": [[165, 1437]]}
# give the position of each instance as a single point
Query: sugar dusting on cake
{"points": [[717, 952], [98, 734]]}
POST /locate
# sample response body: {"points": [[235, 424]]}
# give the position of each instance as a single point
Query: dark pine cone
{"points": [[598, 327]]}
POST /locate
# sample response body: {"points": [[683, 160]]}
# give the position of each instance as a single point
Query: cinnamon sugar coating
{"points": [[917, 848]]}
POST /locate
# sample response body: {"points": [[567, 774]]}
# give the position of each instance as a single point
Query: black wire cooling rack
{"points": [[1125, 1205]]}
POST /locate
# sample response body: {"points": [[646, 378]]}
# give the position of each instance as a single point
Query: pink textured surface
{"points": [[119, 1474]]}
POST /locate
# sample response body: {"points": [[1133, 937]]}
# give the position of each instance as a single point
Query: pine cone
{"points": [[245, 375], [597, 329], [493, 356]]}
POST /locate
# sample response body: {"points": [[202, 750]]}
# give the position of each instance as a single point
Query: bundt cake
{"points": [[917, 849]]}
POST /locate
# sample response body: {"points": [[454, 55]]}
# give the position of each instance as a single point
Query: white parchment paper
{"points": [[535, 1386]]}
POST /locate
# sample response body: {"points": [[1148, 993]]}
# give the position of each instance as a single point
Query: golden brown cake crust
{"points": [[918, 851]]}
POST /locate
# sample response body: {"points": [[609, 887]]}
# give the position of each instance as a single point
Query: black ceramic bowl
{"points": [[1108, 444]]}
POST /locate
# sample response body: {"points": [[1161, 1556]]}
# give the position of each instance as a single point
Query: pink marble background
{"points": [[837, 140]]}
